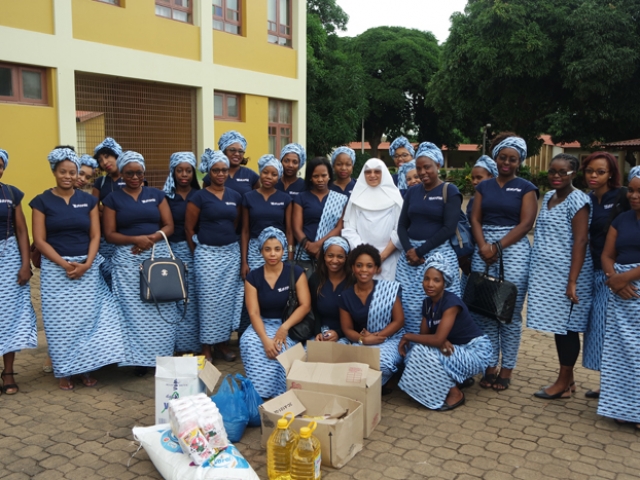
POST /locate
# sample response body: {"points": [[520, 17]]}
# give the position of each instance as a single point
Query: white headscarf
{"points": [[382, 197]]}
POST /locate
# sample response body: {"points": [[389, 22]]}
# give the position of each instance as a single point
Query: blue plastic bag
{"points": [[230, 401], [251, 398]]}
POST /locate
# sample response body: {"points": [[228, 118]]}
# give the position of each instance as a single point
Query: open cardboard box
{"points": [[343, 370], [340, 435]]}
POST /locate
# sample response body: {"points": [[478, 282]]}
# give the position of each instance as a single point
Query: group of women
{"points": [[373, 262]]}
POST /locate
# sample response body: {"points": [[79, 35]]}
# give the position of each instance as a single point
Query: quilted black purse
{"points": [[489, 296], [302, 331]]}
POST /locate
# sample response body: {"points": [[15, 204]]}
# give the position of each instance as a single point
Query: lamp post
{"points": [[484, 137]]}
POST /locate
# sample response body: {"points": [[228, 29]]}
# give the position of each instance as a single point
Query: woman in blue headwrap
{"points": [[407, 177], [266, 296], [181, 185], [504, 211], [402, 152], [213, 216], [371, 311], [83, 330], [137, 219], [240, 178], [88, 167], [293, 157], [450, 347], [18, 328], [425, 227], [619, 380], [343, 160]]}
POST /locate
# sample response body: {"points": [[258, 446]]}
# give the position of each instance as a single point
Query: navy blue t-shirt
{"points": [[348, 189], [351, 303], [294, 189], [394, 177], [7, 206], [107, 185], [327, 304], [265, 213], [272, 301], [312, 209], [178, 206], [601, 213], [502, 206], [136, 217], [217, 217], [68, 226], [470, 208], [242, 182], [464, 328], [627, 244]]}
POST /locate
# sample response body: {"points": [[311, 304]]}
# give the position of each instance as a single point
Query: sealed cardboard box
{"points": [[339, 422], [343, 370]]}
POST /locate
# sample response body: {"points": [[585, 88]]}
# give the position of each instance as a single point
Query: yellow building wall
{"points": [[34, 15], [251, 50], [254, 127], [135, 26]]}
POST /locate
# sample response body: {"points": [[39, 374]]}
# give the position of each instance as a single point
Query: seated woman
{"points": [[326, 286], [371, 311], [266, 293], [450, 347]]}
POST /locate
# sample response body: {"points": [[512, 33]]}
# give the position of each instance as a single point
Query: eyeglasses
{"points": [[218, 171], [136, 173], [591, 171], [401, 156], [560, 173], [233, 151]]}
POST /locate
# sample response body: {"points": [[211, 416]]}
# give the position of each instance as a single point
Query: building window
{"points": [[279, 22], [226, 106], [110, 2], [280, 131], [226, 16], [180, 10], [22, 84]]}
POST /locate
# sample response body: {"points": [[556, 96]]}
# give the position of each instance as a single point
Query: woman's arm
{"points": [[580, 229], [288, 229], [333, 233], [388, 251], [439, 338], [487, 251], [166, 222], [451, 218], [403, 226], [253, 308], [619, 283], [396, 323], [244, 244], [528, 214], [40, 241], [609, 254], [190, 221], [346, 323], [22, 236], [79, 269], [298, 220], [111, 235]]}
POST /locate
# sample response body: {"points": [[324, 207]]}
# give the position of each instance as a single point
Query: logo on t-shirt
{"points": [[283, 289], [608, 207], [514, 189], [5, 200], [436, 198], [149, 200], [80, 205], [230, 203], [277, 204], [294, 193], [241, 179]]}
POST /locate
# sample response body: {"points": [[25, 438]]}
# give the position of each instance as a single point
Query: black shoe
{"points": [[592, 394], [558, 396], [446, 407], [469, 382], [140, 371], [387, 390]]}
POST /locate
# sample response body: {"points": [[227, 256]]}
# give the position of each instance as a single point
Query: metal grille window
{"points": [[153, 119], [279, 22], [226, 16], [180, 10], [280, 131], [22, 84], [226, 106]]}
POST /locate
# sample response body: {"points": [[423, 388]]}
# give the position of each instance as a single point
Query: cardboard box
{"points": [[340, 436], [343, 370]]}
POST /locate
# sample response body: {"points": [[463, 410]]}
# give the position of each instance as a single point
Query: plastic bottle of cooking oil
{"points": [[280, 447], [306, 459]]}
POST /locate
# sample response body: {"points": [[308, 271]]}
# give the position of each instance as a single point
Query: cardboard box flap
{"points": [[286, 358], [334, 374], [209, 376], [287, 402], [332, 352]]}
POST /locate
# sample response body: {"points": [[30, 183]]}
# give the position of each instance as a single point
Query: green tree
{"points": [[329, 13]]}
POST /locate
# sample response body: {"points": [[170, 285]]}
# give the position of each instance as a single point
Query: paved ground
{"points": [[46, 433]]}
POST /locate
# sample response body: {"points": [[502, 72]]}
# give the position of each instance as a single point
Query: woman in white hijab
{"points": [[372, 214]]}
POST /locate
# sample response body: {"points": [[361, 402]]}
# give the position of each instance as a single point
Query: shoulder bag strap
{"points": [[501, 272], [444, 192], [166, 241], [155, 301]]}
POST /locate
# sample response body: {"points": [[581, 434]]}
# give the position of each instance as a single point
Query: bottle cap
{"points": [[305, 432], [283, 423]]}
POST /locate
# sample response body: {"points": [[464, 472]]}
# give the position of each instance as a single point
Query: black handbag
{"points": [[163, 280], [304, 330], [489, 296]]}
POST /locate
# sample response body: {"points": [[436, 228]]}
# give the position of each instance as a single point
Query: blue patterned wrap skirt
{"points": [[594, 334], [147, 334], [619, 378], [188, 333], [254, 257], [505, 338], [106, 250], [267, 375], [429, 375], [81, 319], [331, 214], [219, 290], [411, 280], [18, 328]]}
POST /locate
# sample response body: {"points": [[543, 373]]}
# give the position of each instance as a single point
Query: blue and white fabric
{"points": [[516, 143], [594, 334], [339, 151], [486, 162], [4, 156], [339, 241], [331, 214], [89, 161], [634, 173], [269, 160], [229, 138], [401, 142], [188, 333], [210, 157], [505, 338], [106, 250], [402, 174], [147, 334], [429, 375], [18, 328], [125, 158], [619, 379], [548, 308], [81, 319], [437, 261], [428, 149], [175, 160], [272, 232], [109, 143], [298, 150], [58, 155]]}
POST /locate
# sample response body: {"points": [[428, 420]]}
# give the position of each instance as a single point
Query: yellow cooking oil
{"points": [[280, 447], [306, 459]]}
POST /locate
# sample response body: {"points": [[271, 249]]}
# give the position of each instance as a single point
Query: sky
{"points": [[426, 15]]}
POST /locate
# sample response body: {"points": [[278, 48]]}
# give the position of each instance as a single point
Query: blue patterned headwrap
{"points": [[401, 142], [269, 160], [517, 143], [402, 174], [272, 232], [89, 161], [5, 157], [438, 262], [175, 160], [339, 241], [229, 138], [428, 149], [109, 143], [210, 157], [58, 155], [128, 157], [340, 150], [634, 173], [486, 162], [298, 150]]}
